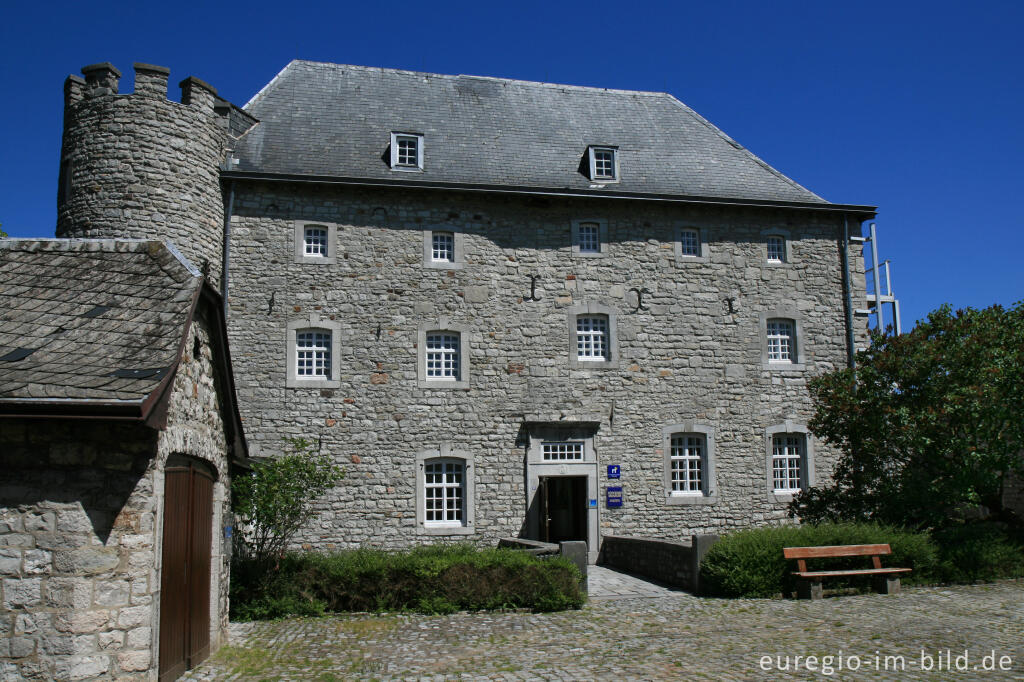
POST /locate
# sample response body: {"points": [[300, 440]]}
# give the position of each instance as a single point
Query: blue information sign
{"points": [[613, 471], [613, 496]]}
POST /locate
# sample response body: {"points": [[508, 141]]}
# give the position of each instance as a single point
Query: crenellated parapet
{"points": [[140, 165]]}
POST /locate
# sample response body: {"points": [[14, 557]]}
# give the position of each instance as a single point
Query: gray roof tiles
{"points": [[47, 286], [333, 120]]}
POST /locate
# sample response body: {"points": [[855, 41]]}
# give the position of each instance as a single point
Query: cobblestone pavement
{"points": [[670, 635]]}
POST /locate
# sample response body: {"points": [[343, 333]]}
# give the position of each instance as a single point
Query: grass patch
{"points": [[432, 579]]}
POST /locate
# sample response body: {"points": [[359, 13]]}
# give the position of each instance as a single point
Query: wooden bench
{"points": [[886, 580]]}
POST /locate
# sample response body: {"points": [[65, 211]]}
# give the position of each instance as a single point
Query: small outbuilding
{"points": [[119, 432]]}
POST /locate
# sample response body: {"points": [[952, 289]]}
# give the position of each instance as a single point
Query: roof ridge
{"points": [[496, 79]]}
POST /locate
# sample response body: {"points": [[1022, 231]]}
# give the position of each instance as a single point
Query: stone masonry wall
{"points": [[141, 166], [692, 354], [80, 526]]}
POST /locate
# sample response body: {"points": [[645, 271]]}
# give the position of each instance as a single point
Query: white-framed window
{"points": [[315, 242], [442, 247], [312, 353], [789, 458], [689, 449], [444, 494], [406, 151], [787, 462], [781, 342], [445, 491], [782, 339], [777, 246], [592, 338], [689, 242], [589, 237], [562, 451], [443, 356], [687, 463], [604, 164]]}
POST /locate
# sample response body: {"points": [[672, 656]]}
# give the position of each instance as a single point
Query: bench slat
{"points": [[835, 551], [866, 571]]}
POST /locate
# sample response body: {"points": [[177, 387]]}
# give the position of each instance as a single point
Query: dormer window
{"points": [[406, 151], [604, 164]]}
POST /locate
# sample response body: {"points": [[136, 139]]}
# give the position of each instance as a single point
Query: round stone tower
{"points": [[141, 166]]}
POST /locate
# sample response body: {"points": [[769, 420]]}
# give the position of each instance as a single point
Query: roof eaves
{"points": [[551, 191]]}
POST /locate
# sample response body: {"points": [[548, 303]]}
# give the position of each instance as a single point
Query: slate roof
{"points": [[334, 121], [104, 319]]}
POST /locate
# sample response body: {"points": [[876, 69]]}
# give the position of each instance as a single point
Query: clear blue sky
{"points": [[911, 106]]}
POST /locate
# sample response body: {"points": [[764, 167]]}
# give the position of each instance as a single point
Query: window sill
{"points": [[314, 383], [694, 499], [588, 254], [442, 384], [443, 265], [446, 530], [316, 260], [785, 366]]}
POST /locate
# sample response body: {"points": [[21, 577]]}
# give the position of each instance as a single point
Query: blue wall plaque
{"points": [[613, 496], [613, 471]]}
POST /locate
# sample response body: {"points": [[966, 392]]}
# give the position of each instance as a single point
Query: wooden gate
{"points": [[185, 578]]}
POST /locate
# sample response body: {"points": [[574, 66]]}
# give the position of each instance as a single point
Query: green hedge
{"points": [[980, 551], [749, 563], [431, 579]]}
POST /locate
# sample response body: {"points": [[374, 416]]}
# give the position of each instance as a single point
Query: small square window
{"points": [[442, 356], [592, 338], [781, 347], [313, 354], [603, 163], [787, 462], [590, 238], [689, 457], [315, 242], [442, 247], [689, 243], [776, 249], [406, 151]]}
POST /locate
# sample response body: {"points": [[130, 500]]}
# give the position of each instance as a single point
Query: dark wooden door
{"points": [[563, 510], [185, 577]]}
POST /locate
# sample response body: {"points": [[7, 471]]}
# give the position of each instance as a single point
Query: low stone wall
{"points": [[574, 551], [673, 563]]}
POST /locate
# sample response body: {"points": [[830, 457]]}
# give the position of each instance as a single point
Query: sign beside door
{"points": [[614, 471], [613, 496]]}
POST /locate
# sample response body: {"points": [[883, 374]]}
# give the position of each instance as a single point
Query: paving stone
{"points": [[631, 629]]}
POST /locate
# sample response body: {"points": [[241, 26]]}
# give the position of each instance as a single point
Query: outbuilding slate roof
{"points": [[103, 319], [335, 121]]}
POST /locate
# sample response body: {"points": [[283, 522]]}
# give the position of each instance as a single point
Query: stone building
{"points": [[507, 308], [118, 431]]}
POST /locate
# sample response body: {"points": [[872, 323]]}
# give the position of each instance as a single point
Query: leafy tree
{"points": [[276, 498], [929, 423]]}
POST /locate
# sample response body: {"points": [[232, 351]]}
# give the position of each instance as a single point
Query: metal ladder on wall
{"points": [[878, 296]]}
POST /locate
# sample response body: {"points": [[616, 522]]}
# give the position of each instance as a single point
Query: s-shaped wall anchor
{"points": [[533, 289], [640, 298]]}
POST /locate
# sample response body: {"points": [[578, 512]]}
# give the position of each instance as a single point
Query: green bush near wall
{"points": [[749, 563], [431, 579]]}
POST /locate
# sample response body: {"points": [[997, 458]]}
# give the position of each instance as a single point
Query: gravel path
{"points": [[631, 629]]}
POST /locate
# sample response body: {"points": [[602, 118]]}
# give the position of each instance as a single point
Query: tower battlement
{"points": [[140, 165]]}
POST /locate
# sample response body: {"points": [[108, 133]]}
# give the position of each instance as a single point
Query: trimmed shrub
{"points": [[749, 563], [980, 551], [430, 579]]}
